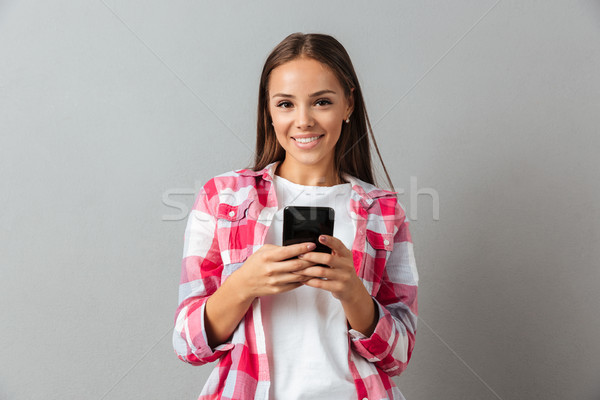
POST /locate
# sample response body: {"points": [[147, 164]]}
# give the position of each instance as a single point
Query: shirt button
{"points": [[386, 242], [231, 213]]}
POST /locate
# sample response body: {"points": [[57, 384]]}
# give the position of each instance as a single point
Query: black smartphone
{"points": [[305, 224]]}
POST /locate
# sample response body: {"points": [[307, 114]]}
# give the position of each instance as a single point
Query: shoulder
{"points": [[233, 181], [229, 189], [369, 192], [377, 201]]}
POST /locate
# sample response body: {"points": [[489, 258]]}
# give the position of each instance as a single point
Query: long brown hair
{"points": [[352, 151]]}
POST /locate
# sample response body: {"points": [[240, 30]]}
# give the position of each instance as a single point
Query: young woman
{"points": [[320, 326]]}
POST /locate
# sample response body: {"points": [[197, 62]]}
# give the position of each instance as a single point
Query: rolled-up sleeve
{"points": [[391, 344], [201, 271]]}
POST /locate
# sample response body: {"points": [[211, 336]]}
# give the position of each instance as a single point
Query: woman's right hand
{"points": [[267, 271], [270, 270]]}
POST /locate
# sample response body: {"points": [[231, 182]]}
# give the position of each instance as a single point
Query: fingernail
{"points": [[322, 238], [311, 246], [300, 255]]}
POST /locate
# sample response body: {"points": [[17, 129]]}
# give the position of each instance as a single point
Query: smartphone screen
{"points": [[305, 224]]}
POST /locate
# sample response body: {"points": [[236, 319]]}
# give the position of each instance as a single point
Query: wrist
{"points": [[361, 312], [360, 302], [357, 296], [237, 286]]}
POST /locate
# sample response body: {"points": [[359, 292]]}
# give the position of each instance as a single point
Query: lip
{"points": [[306, 135], [307, 146]]}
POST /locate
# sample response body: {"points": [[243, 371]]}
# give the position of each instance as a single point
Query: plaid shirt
{"points": [[229, 221]]}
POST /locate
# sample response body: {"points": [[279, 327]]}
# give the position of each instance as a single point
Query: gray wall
{"points": [[109, 107]]}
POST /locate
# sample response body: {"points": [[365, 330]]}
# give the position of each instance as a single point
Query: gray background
{"points": [[107, 108]]}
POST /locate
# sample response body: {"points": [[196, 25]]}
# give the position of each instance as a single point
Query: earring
{"points": [[348, 120]]}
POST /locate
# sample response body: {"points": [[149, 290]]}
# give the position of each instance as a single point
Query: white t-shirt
{"points": [[305, 329]]}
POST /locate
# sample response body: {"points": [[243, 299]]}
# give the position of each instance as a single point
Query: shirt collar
{"points": [[367, 192], [267, 172]]}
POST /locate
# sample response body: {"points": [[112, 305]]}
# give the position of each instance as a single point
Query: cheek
{"points": [[279, 125], [333, 125], [280, 120], [332, 119], [280, 135]]}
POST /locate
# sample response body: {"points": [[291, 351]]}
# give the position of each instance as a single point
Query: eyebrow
{"points": [[315, 94]]}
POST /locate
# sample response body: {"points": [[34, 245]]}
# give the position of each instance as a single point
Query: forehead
{"points": [[302, 74]]}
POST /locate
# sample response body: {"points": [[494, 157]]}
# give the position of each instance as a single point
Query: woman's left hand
{"points": [[341, 280]]}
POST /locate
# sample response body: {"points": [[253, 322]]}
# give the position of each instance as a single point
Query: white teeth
{"points": [[307, 140]]}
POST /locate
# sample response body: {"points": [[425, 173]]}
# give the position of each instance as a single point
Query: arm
{"points": [[200, 277], [208, 312], [343, 283], [264, 273], [383, 326], [391, 344]]}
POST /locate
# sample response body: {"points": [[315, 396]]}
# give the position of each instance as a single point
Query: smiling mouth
{"points": [[307, 140]]}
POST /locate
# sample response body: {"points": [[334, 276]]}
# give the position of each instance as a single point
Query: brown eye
{"points": [[323, 102], [284, 104]]}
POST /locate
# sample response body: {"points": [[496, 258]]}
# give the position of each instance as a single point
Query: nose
{"points": [[304, 118]]}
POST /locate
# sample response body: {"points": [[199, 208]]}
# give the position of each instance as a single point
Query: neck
{"points": [[308, 175]]}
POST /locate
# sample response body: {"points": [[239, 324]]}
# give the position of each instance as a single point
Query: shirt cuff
{"points": [[210, 352], [375, 347]]}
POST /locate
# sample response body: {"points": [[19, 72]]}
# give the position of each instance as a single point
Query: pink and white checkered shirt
{"points": [[229, 221]]}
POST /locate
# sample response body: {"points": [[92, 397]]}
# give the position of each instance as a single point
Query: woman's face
{"points": [[308, 107]]}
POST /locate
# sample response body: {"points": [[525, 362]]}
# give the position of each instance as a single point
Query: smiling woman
{"points": [[288, 322], [307, 107]]}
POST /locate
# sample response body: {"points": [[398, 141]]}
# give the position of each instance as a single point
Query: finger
{"points": [[320, 283], [317, 272], [296, 278], [293, 265], [289, 279], [293, 250], [334, 244], [319, 258]]}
